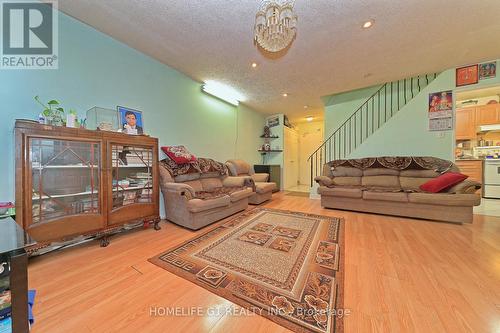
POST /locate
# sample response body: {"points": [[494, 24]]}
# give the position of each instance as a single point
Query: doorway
{"points": [[291, 159]]}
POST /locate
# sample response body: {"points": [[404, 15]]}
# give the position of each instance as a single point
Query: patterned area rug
{"points": [[286, 266]]}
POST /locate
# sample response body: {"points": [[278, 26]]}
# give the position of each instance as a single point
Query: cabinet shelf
{"points": [[269, 137], [76, 166], [131, 188]]}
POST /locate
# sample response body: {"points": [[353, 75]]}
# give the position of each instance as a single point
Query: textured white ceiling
{"points": [[213, 40]]}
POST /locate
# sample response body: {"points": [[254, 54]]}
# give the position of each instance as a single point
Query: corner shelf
{"points": [[269, 137], [263, 152]]}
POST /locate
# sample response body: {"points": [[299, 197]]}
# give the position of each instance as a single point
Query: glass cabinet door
{"points": [[64, 178], [132, 175]]}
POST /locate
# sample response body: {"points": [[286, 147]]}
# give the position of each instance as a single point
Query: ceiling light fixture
{"points": [[275, 25], [309, 118], [368, 24], [306, 106], [223, 92], [285, 95], [254, 65]]}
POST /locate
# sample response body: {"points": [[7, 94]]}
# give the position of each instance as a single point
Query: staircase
{"points": [[368, 118]]}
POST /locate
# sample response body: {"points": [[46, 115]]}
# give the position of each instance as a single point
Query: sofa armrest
{"points": [[260, 177], [323, 180], [466, 187], [180, 188], [238, 181]]}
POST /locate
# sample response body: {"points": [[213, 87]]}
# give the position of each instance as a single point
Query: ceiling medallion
{"points": [[275, 25]]}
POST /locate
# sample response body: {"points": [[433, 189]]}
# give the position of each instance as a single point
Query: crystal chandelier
{"points": [[275, 25]]}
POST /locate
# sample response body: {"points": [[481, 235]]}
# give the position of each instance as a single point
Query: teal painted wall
{"points": [[96, 70], [339, 107], [406, 133]]}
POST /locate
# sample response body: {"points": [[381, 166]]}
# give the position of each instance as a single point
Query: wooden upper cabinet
{"points": [[465, 124], [487, 114]]}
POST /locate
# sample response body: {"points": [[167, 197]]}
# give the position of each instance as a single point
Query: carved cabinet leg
{"points": [[104, 241], [157, 225]]}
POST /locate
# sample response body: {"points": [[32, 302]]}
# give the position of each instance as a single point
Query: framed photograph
{"points": [[487, 70], [131, 121], [273, 121], [467, 75]]}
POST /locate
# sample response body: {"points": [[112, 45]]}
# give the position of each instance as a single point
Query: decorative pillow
{"points": [[179, 154], [443, 182]]}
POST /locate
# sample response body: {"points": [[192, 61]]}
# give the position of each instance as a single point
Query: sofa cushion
{"points": [[264, 187], [198, 205], [381, 181], [210, 184], [241, 194], [345, 192], [179, 154], [419, 173], [195, 184], [347, 181], [412, 184], [238, 167], [213, 174], [385, 196], [445, 199], [443, 182], [380, 172], [186, 177], [342, 171]]}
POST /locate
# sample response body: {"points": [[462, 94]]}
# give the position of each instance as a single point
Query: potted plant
{"points": [[52, 112]]}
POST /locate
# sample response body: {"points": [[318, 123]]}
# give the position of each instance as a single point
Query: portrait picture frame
{"points": [[487, 70], [467, 75], [127, 124]]}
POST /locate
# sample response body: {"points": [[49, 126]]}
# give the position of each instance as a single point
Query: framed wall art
{"points": [[467, 75]]}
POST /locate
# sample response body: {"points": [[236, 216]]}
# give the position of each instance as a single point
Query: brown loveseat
{"points": [[390, 185], [263, 188], [200, 193]]}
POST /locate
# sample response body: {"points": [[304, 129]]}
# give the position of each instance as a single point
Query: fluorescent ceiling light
{"points": [[223, 92]]}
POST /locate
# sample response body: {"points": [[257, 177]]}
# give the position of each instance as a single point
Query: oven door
{"points": [[492, 172]]}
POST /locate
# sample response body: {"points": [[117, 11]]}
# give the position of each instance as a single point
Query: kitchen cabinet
{"points": [[487, 114], [471, 168], [465, 124]]}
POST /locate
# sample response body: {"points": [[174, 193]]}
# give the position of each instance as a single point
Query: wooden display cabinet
{"points": [[72, 182]]}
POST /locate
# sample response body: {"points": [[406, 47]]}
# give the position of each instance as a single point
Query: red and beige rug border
{"points": [[338, 324]]}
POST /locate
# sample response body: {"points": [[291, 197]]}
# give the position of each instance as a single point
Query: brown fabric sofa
{"points": [[263, 188], [390, 185], [198, 194]]}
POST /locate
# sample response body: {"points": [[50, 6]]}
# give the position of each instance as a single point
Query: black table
{"points": [[13, 256]]}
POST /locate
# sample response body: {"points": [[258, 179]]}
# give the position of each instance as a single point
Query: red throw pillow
{"points": [[446, 180], [179, 154]]}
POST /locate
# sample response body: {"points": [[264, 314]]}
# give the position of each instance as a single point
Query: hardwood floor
{"points": [[401, 275]]}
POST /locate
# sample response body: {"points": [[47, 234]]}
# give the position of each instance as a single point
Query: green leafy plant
{"points": [[53, 111]]}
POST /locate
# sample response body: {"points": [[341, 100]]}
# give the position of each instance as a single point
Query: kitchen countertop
{"points": [[469, 159]]}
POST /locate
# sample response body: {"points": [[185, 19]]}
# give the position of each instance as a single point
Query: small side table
{"points": [[15, 260]]}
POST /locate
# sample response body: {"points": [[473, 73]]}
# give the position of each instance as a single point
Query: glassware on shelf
{"points": [[64, 178], [132, 175]]}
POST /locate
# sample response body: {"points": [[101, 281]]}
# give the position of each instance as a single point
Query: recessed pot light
{"points": [[368, 24], [309, 118], [306, 106], [254, 65], [285, 95]]}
